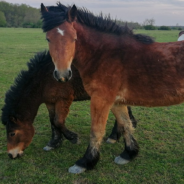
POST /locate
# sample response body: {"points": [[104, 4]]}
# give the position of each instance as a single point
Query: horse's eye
{"points": [[47, 39], [12, 134], [75, 39]]}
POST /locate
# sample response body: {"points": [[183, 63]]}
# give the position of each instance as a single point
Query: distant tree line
{"points": [[15, 15], [148, 24]]}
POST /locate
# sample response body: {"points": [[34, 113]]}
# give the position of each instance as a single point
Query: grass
{"points": [[160, 131]]}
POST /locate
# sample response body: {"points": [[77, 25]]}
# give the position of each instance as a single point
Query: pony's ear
{"points": [[72, 13], [43, 8]]}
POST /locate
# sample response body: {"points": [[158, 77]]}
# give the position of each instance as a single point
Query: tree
{"points": [[2, 19], [20, 15], [148, 24]]}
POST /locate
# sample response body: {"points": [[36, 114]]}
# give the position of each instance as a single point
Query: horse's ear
{"points": [[13, 119], [72, 13], [43, 8]]}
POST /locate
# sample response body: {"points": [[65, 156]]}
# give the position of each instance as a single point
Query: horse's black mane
{"points": [[23, 79], [56, 15]]}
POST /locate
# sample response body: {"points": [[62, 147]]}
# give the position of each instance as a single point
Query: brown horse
{"points": [[31, 89], [117, 67]]}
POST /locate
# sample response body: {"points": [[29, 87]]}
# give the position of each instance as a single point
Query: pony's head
{"points": [[61, 37], [19, 136]]}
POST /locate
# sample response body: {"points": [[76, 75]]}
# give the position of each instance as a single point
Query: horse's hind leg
{"points": [[115, 135], [56, 138], [125, 127]]}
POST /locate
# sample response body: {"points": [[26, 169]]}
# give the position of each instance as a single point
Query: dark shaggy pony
{"points": [[30, 90]]}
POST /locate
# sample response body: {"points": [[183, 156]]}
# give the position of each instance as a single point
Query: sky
{"points": [[164, 12]]}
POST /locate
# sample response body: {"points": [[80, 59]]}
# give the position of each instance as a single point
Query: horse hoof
{"points": [[76, 169], [121, 161], [111, 141], [48, 148]]}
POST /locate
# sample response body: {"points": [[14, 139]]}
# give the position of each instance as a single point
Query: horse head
{"points": [[61, 39], [19, 136]]}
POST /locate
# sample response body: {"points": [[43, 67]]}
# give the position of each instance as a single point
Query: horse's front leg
{"points": [[125, 127], [61, 112], [58, 113], [56, 137], [99, 114]]}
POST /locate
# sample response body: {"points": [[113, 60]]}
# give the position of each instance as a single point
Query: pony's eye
{"points": [[12, 134], [47, 39]]}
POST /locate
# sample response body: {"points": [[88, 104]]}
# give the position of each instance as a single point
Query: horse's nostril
{"points": [[70, 73], [55, 73], [10, 155]]}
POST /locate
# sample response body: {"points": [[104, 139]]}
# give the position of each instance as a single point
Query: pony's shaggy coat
{"points": [[34, 87]]}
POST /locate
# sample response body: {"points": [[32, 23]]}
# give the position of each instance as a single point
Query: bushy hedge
{"points": [[164, 28], [149, 27]]}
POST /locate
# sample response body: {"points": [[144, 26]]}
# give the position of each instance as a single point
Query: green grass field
{"points": [[160, 131]]}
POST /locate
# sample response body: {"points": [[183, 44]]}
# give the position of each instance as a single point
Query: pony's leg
{"points": [[99, 114], [58, 113], [56, 137], [115, 135], [61, 112], [125, 127]]}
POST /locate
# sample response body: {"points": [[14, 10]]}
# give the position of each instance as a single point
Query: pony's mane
{"points": [[24, 78], [56, 15]]}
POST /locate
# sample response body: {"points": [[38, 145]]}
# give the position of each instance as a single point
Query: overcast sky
{"points": [[164, 12]]}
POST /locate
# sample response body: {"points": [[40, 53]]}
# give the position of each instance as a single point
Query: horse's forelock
{"points": [[55, 16]]}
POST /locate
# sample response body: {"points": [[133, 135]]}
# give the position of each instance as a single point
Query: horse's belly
{"points": [[149, 98]]}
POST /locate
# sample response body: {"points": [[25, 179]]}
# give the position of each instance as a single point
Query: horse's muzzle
{"points": [[62, 76], [13, 157]]}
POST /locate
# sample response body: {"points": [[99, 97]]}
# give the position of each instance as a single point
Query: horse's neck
{"points": [[93, 42], [28, 105]]}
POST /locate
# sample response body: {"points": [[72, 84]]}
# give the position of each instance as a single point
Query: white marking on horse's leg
{"points": [[60, 31], [111, 141], [121, 161], [48, 148], [76, 169]]}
